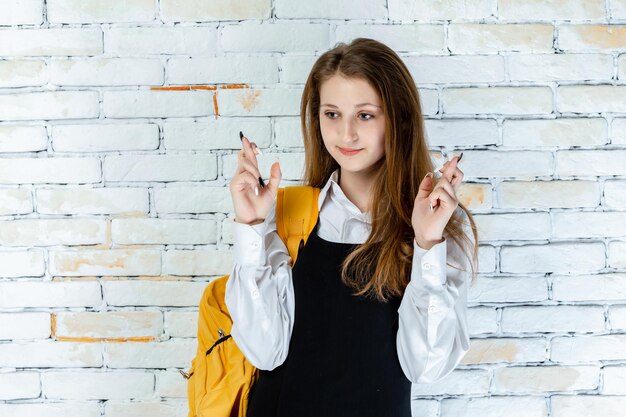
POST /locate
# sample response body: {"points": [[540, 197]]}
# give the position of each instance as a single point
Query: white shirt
{"points": [[432, 335]]}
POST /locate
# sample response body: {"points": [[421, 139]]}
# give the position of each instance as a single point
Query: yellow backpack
{"points": [[220, 377]]}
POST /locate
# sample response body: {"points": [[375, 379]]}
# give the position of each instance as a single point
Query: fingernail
{"points": [[460, 156], [261, 182], [430, 174], [431, 206], [256, 190], [241, 135], [257, 150]]}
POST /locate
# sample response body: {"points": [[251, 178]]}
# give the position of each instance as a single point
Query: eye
{"points": [[366, 114], [361, 114], [329, 112]]}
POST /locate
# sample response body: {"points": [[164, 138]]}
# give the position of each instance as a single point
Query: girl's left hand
{"points": [[428, 224]]}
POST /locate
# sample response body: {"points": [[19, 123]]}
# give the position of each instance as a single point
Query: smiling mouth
{"points": [[349, 151]]}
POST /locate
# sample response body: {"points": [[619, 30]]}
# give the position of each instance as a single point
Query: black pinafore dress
{"points": [[342, 359]]}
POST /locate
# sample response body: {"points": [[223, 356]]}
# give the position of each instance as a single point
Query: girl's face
{"points": [[352, 117]]}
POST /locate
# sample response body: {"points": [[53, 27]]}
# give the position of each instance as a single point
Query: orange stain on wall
{"points": [[203, 87]]}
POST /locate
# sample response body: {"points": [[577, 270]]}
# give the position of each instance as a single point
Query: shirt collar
{"points": [[333, 191]]}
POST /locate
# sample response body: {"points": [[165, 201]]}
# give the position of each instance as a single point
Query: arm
{"points": [[259, 293], [433, 332]]}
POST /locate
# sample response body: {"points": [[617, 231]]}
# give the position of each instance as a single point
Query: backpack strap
{"points": [[296, 215]]}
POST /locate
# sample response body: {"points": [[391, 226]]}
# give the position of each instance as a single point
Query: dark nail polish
{"points": [[460, 156], [261, 182], [241, 135]]}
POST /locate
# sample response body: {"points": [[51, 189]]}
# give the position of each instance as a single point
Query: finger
{"points": [[457, 179], [441, 196], [247, 165], [240, 158], [443, 189], [426, 186], [249, 151], [246, 180]]}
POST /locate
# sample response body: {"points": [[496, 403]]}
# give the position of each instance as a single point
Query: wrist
{"points": [[427, 244]]}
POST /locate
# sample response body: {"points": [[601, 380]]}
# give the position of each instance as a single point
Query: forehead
{"points": [[339, 91]]}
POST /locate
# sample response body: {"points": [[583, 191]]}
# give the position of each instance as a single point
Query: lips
{"points": [[349, 151]]}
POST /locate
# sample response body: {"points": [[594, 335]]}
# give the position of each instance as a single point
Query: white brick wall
{"points": [[119, 125]]}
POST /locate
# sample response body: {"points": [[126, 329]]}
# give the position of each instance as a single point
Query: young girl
{"points": [[378, 296]]}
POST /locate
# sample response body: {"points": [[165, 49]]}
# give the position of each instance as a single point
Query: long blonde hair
{"points": [[381, 266]]}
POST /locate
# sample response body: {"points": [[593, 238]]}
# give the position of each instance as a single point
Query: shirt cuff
{"points": [[430, 265], [248, 248]]}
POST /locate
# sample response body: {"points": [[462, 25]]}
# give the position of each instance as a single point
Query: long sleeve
{"points": [[259, 293], [433, 331]]}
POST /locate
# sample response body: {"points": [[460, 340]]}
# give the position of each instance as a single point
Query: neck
{"points": [[357, 188]]}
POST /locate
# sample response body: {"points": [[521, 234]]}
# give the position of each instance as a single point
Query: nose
{"points": [[349, 131]]}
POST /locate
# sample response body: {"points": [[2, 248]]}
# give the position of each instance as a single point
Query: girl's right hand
{"points": [[249, 207]]}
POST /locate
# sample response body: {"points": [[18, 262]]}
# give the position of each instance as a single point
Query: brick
{"points": [[105, 262], [95, 385], [591, 37], [492, 38], [24, 12], [462, 132], [51, 409], [497, 100], [614, 380], [545, 319], [100, 11], [125, 292], [181, 323], [176, 40], [590, 162], [329, 9], [270, 37], [152, 408], [162, 167], [22, 138], [23, 73], [458, 382], [171, 384], [553, 257], [591, 98], [508, 289], [193, 199], [49, 105], [588, 224], [217, 70], [84, 201], [422, 38], [596, 287], [505, 350], [19, 385], [156, 231], [51, 42], [548, 194], [133, 104], [615, 193], [197, 262], [588, 348], [560, 67], [539, 379], [617, 254], [24, 326], [513, 226], [106, 72], [51, 170], [482, 320], [562, 132], [218, 134], [536, 10], [167, 354], [456, 69], [511, 406], [618, 128], [20, 263], [48, 232], [49, 354], [586, 405], [259, 102], [109, 324], [202, 11], [20, 294], [440, 10]]}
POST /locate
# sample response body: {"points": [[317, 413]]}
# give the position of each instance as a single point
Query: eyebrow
{"points": [[358, 105]]}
